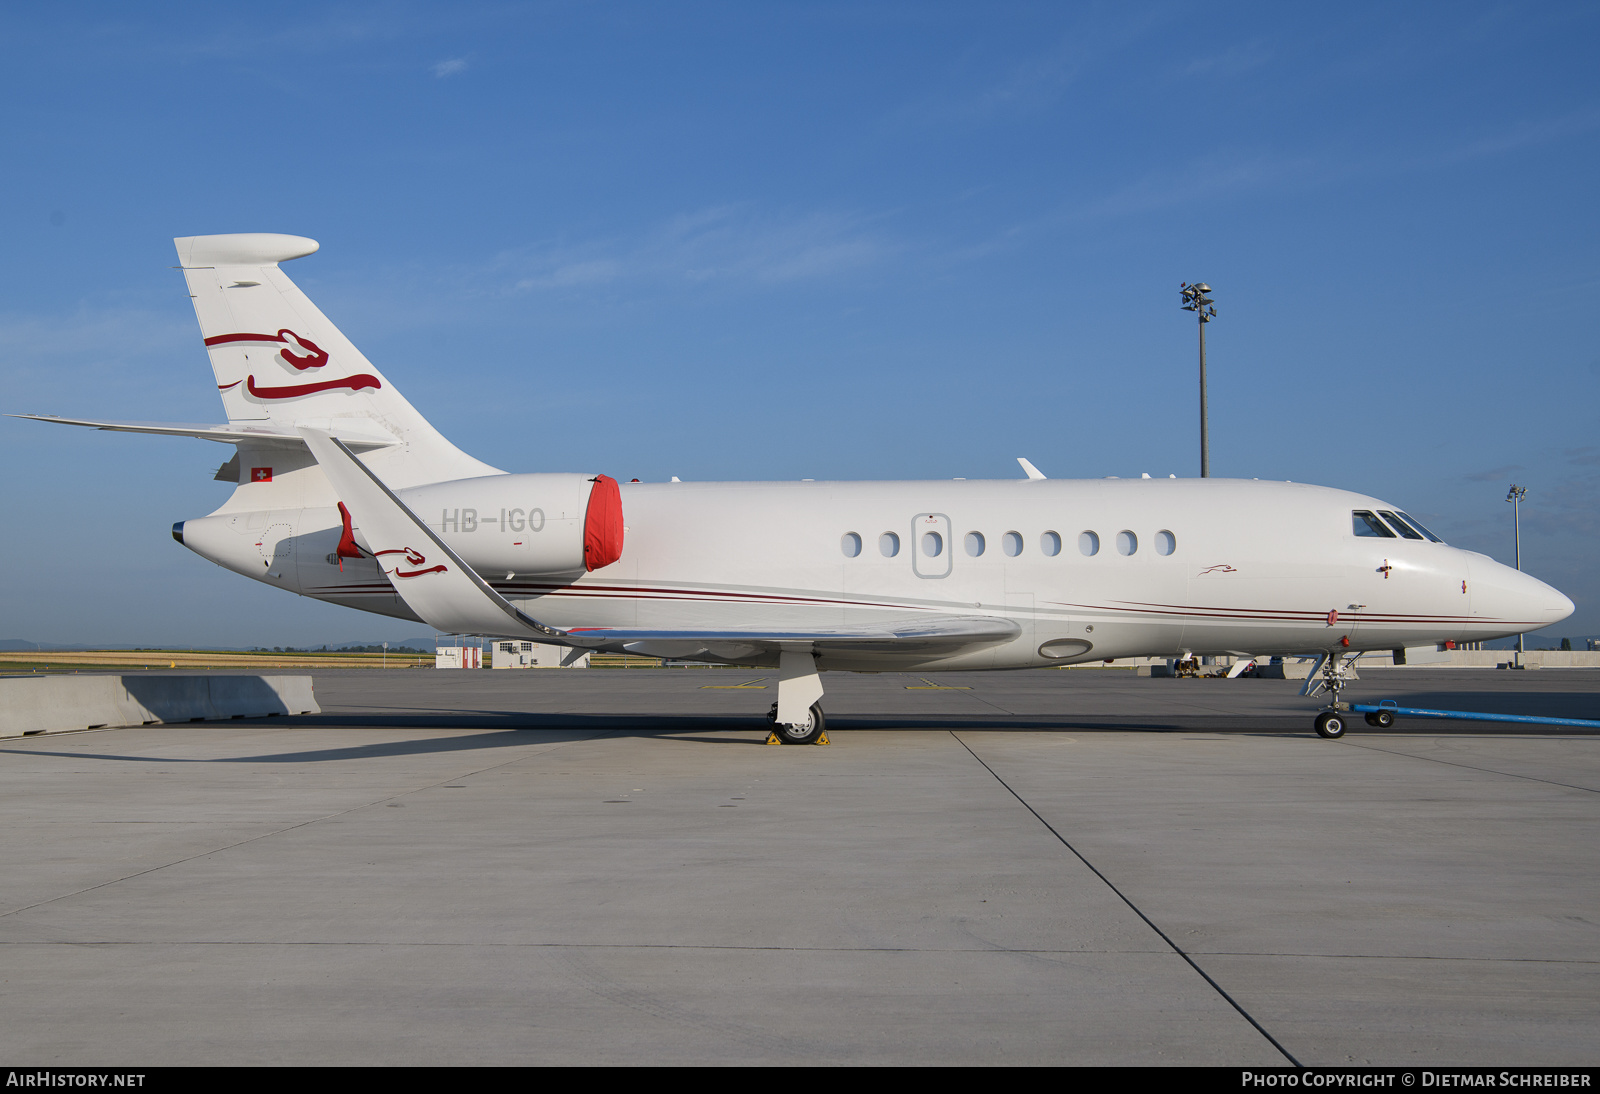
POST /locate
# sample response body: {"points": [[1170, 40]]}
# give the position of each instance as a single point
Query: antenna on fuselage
{"points": [[1031, 471]]}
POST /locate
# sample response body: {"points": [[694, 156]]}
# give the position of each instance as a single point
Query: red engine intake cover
{"points": [[602, 524]]}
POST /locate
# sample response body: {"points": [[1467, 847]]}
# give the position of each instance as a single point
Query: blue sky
{"points": [[853, 240]]}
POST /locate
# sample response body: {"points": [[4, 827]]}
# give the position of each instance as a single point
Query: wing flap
{"points": [[923, 634]]}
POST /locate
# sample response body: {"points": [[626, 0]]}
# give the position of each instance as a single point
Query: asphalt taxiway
{"points": [[609, 866]]}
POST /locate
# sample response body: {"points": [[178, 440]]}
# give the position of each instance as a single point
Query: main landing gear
{"points": [[809, 732], [796, 717]]}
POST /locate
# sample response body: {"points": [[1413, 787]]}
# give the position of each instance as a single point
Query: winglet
{"points": [[1032, 471]]}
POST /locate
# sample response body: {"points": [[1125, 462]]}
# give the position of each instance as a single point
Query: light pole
{"points": [[1197, 298], [1515, 497]]}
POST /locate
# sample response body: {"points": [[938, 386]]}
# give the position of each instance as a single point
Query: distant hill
{"points": [[417, 642]]}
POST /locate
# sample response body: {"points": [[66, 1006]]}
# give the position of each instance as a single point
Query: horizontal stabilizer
{"points": [[355, 432]]}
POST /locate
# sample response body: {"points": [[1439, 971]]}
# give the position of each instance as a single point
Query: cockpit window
{"points": [[1399, 525], [1368, 525], [1411, 520]]}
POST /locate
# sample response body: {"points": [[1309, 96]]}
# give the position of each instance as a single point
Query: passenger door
{"points": [[931, 554]]}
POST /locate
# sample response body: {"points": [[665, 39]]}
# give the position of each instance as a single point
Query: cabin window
{"points": [[1368, 526], [1050, 543], [1011, 543], [1411, 520], [1399, 525], [1088, 544], [888, 545], [932, 544], [1166, 542], [1127, 542], [850, 544], [975, 544]]}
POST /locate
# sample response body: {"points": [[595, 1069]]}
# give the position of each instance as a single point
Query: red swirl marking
{"points": [[413, 558], [223, 339], [294, 391], [315, 355]]}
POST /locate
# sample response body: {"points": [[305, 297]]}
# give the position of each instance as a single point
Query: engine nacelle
{"points": [[499, 524]]}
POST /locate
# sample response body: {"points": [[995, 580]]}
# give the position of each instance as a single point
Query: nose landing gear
{"points": [[1332, 672], [1330, 725]]}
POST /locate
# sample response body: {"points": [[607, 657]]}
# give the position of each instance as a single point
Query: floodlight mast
{"points": [[1197, 298], [1515, 496]]}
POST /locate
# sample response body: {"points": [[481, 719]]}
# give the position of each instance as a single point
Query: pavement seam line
{"points": [[277, 831], [109, 944], [1259, 1028], [1474, 767]]}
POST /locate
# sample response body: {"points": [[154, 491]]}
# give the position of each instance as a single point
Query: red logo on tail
{"points": [[315, 355], [414, 558], [293, 391]]}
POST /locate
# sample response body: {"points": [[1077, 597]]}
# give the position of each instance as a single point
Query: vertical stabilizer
{"points": [[279, 361]]}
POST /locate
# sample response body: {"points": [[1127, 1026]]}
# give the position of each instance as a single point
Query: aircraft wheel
{"points": [[806, 734], [1383, 719], [1330, 724]]}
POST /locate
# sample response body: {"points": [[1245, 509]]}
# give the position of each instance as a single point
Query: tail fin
{"points": [[279, 360]]}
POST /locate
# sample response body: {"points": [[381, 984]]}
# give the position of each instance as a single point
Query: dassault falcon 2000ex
{"points": [[345, 493]]}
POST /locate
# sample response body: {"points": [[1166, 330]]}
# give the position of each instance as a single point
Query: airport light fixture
{"points": [[1197, 298], [1515, 496]]}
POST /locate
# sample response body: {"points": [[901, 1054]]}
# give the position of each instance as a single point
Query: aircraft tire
{"points": [[805, 734], [1382, 719], [1330, 725]]}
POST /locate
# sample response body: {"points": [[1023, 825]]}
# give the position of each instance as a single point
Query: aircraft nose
{"points": [[1507, 594], [1557, 604]]}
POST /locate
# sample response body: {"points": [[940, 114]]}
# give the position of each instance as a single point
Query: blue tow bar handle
{"points": [[1468, 715]]}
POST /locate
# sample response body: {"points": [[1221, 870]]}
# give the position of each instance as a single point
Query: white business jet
{"points": [[345, 493]]}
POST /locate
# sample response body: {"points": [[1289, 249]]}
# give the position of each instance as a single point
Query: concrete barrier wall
{"points": [[52, 704]]}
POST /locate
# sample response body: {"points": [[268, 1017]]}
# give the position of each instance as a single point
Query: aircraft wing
{"points": [[928, 634], [448, 595], [358, 433]]}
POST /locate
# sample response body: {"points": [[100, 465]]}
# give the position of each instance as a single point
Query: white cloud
{"points": [[1236, 59], [450, 67], [724, 244]]}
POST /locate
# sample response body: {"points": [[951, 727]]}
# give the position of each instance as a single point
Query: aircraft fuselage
{"points": [[1088, 569]]}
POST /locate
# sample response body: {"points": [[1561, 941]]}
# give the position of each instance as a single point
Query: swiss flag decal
{"points": [[261, 474]]}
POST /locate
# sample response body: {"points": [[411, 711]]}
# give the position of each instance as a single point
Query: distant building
{"points": [[457, 657], [536, 655]]}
